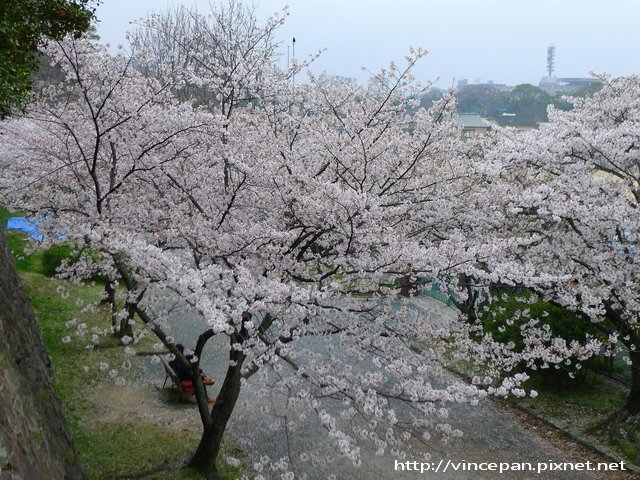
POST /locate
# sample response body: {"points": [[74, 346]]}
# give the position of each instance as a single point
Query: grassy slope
{"points": [[106, 450], [581, 408], [580, 405]]}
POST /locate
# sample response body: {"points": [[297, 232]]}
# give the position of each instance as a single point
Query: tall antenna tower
{"points": [[551, 59]]}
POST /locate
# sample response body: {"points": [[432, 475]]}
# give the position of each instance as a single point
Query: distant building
{"points": [[495, 86], [472, 124], [464, 83], [554, 85], [514, 120], [549, 84]]}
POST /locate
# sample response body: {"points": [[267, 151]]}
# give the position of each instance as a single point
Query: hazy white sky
{"points": [[500, 40]]}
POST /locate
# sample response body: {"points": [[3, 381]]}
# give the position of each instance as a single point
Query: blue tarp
{"points": [[24, 225]]}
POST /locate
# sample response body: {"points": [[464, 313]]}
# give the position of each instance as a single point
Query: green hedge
{"points": [[53, 257], [562, 322]]}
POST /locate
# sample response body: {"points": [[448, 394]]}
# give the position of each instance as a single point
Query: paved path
{"points": [[490, 433]]}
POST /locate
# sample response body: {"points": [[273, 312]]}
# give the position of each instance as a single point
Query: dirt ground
{"points": [[144, 404]]}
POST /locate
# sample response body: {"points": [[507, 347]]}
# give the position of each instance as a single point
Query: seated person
{"points": [[184, 375]]}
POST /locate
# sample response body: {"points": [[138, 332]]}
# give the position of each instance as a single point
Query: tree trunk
{"points": [[469, 306], [633, 401], [126, 326], [110, 298], [631, 340], [215, 421], [123, 326], [408, 285]]}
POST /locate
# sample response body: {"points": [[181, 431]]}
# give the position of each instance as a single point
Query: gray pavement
{"points": [[490, 433]]}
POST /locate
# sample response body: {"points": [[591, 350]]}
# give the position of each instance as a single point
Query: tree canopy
{"points": [[279, 223], [567, 197], [24, 26], [197, 177]]}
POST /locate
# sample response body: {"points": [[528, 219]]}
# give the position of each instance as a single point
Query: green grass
{"points": [[5, 214], [24, 262], [581, 408], [124, 449], [18, 242], [578, 404], [106, 449]]}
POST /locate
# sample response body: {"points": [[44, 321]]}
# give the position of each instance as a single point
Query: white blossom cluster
{"points": [[282, 216]]}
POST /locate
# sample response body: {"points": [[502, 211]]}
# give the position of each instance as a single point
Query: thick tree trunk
{"points": [[215, 421], [34, 440], [633, 401], [469, 306], [408, 285]]}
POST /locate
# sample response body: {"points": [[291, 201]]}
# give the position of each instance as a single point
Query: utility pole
{"points": [[293, 55]]}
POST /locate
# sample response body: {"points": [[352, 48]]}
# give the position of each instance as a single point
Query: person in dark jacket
{"points": [[184, 375]]}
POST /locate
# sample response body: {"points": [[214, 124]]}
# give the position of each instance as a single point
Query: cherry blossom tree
{"points": [[279, 222], [88, 144], [286, 232], [221, 56], [565, 202]]}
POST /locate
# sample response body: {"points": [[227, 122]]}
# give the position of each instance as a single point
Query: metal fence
{"points": [[433, 291]]}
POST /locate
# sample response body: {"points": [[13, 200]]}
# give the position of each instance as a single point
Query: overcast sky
{"points": [[500, 40]]}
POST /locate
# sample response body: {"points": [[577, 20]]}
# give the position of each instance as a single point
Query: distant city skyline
{"points": [[480, 40]]}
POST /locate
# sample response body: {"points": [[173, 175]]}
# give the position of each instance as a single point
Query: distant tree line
{"points": [[528, 102]]}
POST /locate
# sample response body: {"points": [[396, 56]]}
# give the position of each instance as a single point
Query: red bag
{"points": [[187, 387]]}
